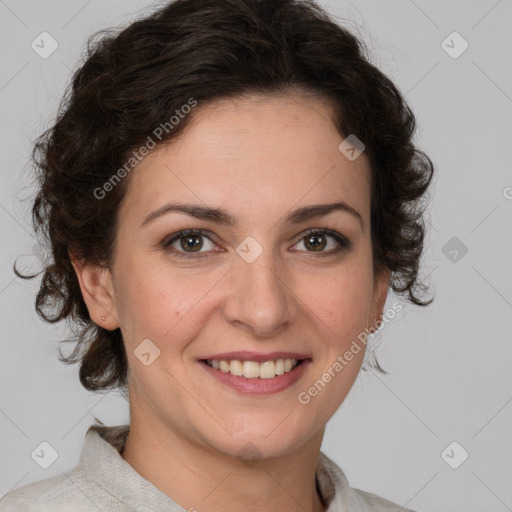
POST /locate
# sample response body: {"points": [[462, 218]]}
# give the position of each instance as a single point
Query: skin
{"points": [[258, 157]]}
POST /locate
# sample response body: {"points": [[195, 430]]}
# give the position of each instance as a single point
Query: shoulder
{"points": [[70, 490], [85, 487], [338, 493], [373, 503], [53, 493]]}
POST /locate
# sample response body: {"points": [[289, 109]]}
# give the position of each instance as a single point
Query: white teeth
{"points": [[236, 368], [252, 369], [267, 370]]}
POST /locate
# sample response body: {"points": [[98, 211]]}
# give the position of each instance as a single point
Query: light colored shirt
{"points": [[103, 481]]}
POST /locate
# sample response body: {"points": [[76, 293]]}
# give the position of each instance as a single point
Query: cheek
{"points": [[340, 301], [160, 303]]}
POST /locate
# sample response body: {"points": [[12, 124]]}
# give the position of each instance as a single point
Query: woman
{"points": [[229, 191]]}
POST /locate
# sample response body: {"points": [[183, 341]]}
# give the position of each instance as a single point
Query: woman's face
{"points": [[260, 284]]}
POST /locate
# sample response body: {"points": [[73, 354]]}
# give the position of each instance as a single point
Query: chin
{"points": [[262, 441]]}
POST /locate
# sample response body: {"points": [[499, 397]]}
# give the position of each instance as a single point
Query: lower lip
{"points": [[259, 386]]}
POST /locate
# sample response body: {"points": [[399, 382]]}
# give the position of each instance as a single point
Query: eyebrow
{"points": [[221, 216]]}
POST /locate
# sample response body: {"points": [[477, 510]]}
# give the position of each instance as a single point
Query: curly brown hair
{"points": [[133, 80]]}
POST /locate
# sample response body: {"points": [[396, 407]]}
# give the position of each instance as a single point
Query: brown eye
{"points": [[315, 242], [324, 241], [189, 244], [192, 242]]}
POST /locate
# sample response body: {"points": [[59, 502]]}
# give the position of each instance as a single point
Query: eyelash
{"points": [[344, 243]]}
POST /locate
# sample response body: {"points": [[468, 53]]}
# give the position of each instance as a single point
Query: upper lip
{"points": [[256, 356]]}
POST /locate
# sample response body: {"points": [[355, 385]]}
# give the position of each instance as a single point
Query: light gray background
{"points": [[450, 363]]}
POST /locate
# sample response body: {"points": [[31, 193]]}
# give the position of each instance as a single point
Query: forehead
{"points": [[253, 151]]}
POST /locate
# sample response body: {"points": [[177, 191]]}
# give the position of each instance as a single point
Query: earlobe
{"points": [[97, 291], [381, 293]]}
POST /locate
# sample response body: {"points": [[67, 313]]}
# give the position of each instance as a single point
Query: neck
{"points": [[202, 478]]}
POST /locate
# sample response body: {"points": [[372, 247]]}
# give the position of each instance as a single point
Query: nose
{"points": [[260, 297]]}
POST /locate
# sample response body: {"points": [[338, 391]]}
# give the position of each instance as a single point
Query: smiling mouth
{"points": [[253, 369]]}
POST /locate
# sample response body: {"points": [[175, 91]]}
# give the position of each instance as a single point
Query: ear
{"points": [[98, 292], [380, 293]]}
